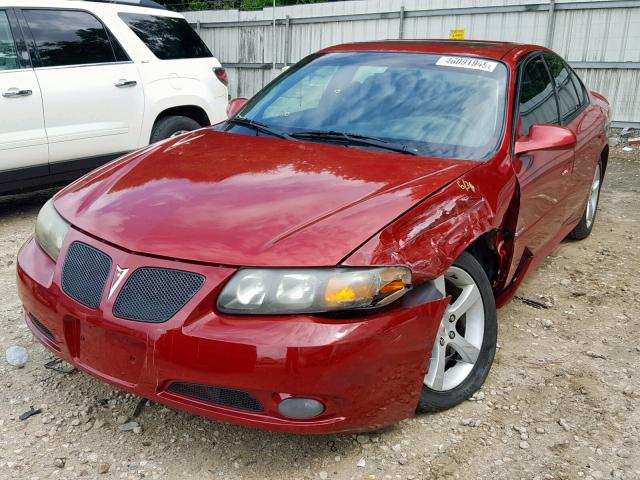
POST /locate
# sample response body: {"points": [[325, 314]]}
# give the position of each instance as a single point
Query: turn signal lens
{"points": [[392, 287]]}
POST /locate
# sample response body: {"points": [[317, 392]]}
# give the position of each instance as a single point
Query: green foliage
{"points": [[227, 4], [198, 5], [259, 4]]}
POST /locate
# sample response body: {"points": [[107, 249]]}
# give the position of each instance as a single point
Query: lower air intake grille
{"points": [[218, 395], [40, 326], [85, 274], [155, 294]]}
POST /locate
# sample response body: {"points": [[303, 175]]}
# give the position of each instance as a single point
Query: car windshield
{"points": [[431, 105]]}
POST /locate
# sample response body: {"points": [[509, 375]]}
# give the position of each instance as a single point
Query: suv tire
{"points": [[170, 126]]}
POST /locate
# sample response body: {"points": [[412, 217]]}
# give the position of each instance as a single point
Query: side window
{"points": [[567, 95], [304, 95], [537, 97], [169, 38], [8, 53], [68, 37], [579, 88]]}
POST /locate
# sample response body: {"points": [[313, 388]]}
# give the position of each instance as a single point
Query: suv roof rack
{"points": [[135, 3]]}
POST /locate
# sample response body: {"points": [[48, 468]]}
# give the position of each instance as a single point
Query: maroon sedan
{"points": [[331, 257]]}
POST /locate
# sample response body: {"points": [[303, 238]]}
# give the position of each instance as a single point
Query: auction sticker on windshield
{"points": [[466, 62]]}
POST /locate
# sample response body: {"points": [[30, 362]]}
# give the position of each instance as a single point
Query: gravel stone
{"points": [[17, 356]]}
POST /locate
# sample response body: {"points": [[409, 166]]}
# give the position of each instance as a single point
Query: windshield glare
{"points": [[404, 98]]}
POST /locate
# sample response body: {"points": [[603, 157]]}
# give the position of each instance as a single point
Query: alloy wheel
{"points": [[460, 334], [178, 132], [594, 194]]}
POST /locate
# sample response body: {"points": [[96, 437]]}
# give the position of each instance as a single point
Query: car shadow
{"points": [[24, 203]]}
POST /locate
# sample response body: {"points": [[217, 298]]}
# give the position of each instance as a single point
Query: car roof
{"points": [[477, 48]]}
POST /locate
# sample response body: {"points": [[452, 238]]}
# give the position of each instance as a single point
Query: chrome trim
{"points": [[59, 67], [14, 92]]}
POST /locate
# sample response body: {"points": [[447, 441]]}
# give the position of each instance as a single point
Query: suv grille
{"points": [[218, 395], [155, 294], [85, 274]]}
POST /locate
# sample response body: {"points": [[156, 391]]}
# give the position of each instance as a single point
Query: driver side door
{"points": [[544, 176]]}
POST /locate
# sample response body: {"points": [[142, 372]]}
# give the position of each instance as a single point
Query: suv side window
{"points": [[69, 37], [537, 96], [169, 38], [8, 52], [568, 99]]}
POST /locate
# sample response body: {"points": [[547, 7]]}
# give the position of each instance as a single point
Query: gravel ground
{"points": [[562, 400]]}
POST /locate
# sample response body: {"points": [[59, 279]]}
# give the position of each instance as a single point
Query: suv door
{"points": [[23, 140], [543, 176], [92, 94]]}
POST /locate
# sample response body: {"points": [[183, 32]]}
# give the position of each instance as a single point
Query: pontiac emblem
{"points": [[118, 277]]}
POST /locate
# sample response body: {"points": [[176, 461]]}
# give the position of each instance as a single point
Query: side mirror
{"points": [[545, 137], [235, 105]]}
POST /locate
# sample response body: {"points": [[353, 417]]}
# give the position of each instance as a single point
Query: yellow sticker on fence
{"points": [[456, 34]]}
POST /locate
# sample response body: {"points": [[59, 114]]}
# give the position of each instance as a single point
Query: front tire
{"points": [[172, 126], [466, 341], [584, 227]]}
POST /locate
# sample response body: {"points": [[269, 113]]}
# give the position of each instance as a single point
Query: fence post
{"points": [[287, 40], [551, 22], [198, 26], [401, 25], [273, 39]]}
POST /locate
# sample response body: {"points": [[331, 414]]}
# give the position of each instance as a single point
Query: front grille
{"points": [[155, 294], [218, 395], [43, 328], [85, 274]]}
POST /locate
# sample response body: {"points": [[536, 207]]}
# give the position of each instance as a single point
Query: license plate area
{"points": [[113, 355]]}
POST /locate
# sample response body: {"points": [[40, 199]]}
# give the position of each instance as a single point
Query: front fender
{"points": [[429, 237]]}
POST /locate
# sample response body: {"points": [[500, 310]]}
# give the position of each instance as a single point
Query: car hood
{"points": [[233, 199]]}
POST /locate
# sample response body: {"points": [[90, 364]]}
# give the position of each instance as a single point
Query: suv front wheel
{"points": [[171, 126]]}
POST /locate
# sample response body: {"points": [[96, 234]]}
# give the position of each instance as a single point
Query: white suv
{"points": [[82, 82]]}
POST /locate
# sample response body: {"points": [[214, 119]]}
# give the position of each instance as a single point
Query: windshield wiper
{"points": [[354, 139], [259, 127]]}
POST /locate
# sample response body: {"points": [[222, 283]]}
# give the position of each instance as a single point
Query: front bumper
{"points": [[367, 371]]}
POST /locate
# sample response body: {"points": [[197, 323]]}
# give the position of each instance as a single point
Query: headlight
{"points": [[285, 291], [51, 229]]}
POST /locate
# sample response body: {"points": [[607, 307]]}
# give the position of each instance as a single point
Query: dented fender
{"points": [[429, 237]]}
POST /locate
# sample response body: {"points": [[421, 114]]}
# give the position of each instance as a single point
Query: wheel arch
{"points": [[604, 158], [193, 112], [485, 250]]}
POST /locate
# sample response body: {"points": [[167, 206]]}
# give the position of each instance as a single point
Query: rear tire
{"points": [[584, 227], [171, 126], [465, 344]]}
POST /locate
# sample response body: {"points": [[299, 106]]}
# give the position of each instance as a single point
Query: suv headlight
{"points": [[285, 291], [51, 229]]}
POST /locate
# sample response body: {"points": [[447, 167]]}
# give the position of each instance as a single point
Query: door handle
{"points": [[15, 92], [125, 83]]}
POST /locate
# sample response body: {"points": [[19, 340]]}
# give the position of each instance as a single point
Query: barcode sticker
{"points": [[467, 62]]}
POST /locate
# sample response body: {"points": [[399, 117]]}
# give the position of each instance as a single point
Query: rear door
{"points": [[544, 176], [23, 140], [92, 95]]}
